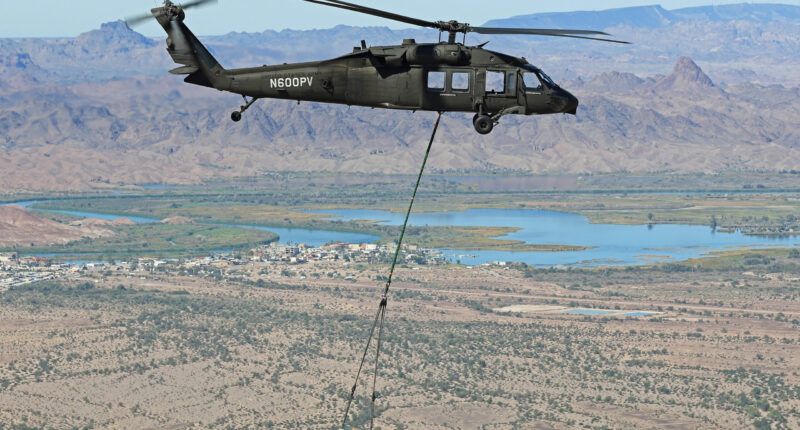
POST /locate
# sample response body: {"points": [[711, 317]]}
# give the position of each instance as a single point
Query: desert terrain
{"points": [[19, 226], [184, 308], [268, 345]]}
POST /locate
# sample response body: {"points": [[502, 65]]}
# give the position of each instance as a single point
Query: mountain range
{"points": [[701, 89], [655, 16]]}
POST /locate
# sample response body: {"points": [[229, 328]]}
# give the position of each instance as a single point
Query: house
{"points": [[7, 259]]}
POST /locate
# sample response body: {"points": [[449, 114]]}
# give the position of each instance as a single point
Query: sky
{"points": [[59, 18]]}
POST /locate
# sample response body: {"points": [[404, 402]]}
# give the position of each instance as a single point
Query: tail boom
{"points": [[185, 49]]}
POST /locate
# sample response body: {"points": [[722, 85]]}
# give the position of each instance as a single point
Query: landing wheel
{"points": [[236, 116], [483, 124]]}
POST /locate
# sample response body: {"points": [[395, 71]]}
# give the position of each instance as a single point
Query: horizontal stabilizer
{"points": [[185, 70]]}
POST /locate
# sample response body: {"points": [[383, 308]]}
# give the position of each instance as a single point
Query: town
{"points": [[278, 259]]}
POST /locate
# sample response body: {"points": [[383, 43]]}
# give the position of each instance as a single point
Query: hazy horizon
{"points": [[227, 16]]}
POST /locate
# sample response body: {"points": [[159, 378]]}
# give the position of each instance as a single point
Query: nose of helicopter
{"points": [[561, 101], [572, 103]]}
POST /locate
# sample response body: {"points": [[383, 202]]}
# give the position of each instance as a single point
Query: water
{"points": [[314, 238], [613, 244], [107, 217], [287, 235]]}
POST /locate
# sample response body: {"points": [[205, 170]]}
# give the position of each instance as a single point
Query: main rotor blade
{"points": [[545, 32], [536, 31], [138, 19], [195, 3], [375, 12], [456, 27]]}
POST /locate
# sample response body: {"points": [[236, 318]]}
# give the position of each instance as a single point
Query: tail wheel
{"points": [[483, 124], [236, 116]]}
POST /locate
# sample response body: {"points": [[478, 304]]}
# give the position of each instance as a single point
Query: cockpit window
{"points": [[542, 75], [532, 82], [547, 79]]}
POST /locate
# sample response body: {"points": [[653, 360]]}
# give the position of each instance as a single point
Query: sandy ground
{"points": [[177, 351]]}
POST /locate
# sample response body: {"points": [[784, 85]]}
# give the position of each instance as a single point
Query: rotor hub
{"points": [[453, 26], [174, 11]]}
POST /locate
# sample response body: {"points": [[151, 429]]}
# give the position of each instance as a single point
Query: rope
{"points": [[381, 315]]}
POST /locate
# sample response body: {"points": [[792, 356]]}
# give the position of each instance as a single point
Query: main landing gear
{"points": [[237, 115], [484, 124]]}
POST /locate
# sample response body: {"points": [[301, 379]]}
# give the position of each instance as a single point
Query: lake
{"points": [[613, 244]]}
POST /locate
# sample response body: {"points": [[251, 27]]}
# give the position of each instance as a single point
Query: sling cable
{"points": [[381, 314]]}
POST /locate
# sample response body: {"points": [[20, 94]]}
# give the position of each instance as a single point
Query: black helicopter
{"points": [[445, 76]]}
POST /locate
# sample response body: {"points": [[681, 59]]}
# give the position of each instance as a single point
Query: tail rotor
{"points": [[169, 9]]}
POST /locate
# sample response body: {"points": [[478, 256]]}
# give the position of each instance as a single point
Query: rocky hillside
{"points": [[21, 227], [78, 113]]}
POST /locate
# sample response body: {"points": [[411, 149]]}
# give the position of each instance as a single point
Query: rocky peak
{"points": [[117, 33], [118, 26], [688, 71], [686, 77]]}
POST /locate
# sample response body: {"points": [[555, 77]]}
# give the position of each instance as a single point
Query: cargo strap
{"points": [[380, 316]]}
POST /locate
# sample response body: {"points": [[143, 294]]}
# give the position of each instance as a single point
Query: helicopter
{"points": [[447, 76]]}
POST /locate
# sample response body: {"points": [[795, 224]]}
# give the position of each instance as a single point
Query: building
{"points": [[8, 259]]}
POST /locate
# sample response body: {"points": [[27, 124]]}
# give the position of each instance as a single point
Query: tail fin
{"points": [[184, 48]]}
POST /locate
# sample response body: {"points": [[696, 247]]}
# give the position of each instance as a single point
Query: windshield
{"points": [[542, 75], [547, 80]]}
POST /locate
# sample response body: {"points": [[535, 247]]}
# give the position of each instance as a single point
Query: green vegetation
{"points": [[282, 200], [475, 238], [162, 239], [463, 238], [751, 212]]}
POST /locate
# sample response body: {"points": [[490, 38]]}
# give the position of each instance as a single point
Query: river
{"points": [[611, 244], [287, 235]]}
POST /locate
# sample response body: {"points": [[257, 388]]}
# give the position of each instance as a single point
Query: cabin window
{"points": [[436, 81], [495, 82], [460, 82], [532, 82]]}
